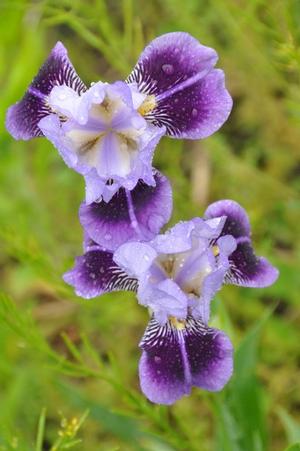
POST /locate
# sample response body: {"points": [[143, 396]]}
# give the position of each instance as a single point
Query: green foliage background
{"points": [[68, 364]]}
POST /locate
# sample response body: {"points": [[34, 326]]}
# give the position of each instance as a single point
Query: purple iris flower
{"points": [[176, 275], [108, 132]]}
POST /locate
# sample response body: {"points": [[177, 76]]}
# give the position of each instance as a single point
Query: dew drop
{"points": [[62, 96], [134, 224], [194, 112], [157, 359], [146, 257], [102, 270], [168, 69], [107, 236]]}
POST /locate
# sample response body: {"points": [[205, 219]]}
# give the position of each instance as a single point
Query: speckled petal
{"points": [[22, 118], [162, 366], [178, 355], [191, 100], [135, 215], [210, 355], [96, 273]]}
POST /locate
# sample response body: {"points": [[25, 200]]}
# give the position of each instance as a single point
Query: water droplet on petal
{"points": [[157, 359], [146, 257], [194, 112], [168, 69], [107, 236], [62, 96], [102, 270]]}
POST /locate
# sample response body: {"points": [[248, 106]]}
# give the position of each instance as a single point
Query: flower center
{"points": [[109, 140], [187, 269]]}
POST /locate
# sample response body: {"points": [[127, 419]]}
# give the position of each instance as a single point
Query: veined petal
{"points": [[190, 98], [178, 355], [169, 60], [22, 118], [246, 268], [96, 273], [129, 216]]}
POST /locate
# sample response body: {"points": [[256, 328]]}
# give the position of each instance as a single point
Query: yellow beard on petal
{"points": [[147, 106]]}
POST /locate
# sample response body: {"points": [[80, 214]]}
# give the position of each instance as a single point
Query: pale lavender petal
{"points": [[164, 298], [135, 215], [96, 273], [22, 118], [135, 258]]}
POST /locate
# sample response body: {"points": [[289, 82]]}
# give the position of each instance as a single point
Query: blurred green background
{"points": [[68, 367]]}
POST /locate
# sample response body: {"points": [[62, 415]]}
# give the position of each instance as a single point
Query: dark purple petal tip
{"points": [[130, 215], [237, 221], [22, 118], [181, 354], [96, 273], [248, 270]]}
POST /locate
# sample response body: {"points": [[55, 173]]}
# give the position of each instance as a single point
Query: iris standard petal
{"points": [[181, 354], [96, 273], [188, 97], [246, 268], [22, 118], [134, 215]]}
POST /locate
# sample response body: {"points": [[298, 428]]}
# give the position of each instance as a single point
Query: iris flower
{"points": [[108, 132], [176, 275]]}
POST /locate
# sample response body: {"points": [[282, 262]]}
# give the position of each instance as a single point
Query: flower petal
{"points": [[129, 216], [181, 354], [162, 367], [246, 268], [22, 118], [191, 100], [237, 221], [96, 273], [169, 60], [196, 111]]}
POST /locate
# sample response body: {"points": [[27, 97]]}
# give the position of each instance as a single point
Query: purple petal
{"points": [[237, 221], [248, 270], [96, 273], [162, 368], [196, 111], [191, 99], [181, 354], [209, 354], [128, 216], [169, 60], [23, 117]]}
